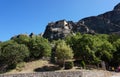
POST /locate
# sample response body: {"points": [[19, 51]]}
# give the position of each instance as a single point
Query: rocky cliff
{"points": [[107, 23]]}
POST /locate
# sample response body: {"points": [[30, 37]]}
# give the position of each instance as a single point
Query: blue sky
{"points": [[26, 16]]}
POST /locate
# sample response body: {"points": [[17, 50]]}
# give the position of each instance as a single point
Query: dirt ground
{"points": [[42, 65], [30, 67]]}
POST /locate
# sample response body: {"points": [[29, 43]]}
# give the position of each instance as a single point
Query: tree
{"points": [[116, 55], [106, 51], [113, 38], [92, 49], [39, 47], [21, 39], [63, 51], [73, 41], [87, 47], [13, 53]]}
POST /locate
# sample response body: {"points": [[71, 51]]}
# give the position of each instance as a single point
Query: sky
{"points": [[27, 16]]}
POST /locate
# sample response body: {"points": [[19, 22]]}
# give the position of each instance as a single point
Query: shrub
{"points": [[82, 63], [39, 47], [12, 53], [69, 65], [20, 66]]}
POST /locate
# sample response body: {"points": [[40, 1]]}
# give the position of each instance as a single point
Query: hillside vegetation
{"points": [[88, 49], [29, 67]]}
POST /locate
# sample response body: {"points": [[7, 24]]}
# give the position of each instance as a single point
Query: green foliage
{"points": [[12, 53], [39, 47], [90, 49], [117, 44], [73, 41], [116, 54], [69, 65], [20, 66], [106, 51], [82, 63], [21, 39], [103, 36], [87, 47], [63, 51], [113, 38]]}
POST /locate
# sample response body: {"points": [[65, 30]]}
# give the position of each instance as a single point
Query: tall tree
{"points": [[88, 46], [63, 51], [12, 53], [113, 38], [105, 51], [73, 41], [116, 55], [39, 47], [21, 39]]}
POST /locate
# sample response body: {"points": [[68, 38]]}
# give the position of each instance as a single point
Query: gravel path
{"points": [[116, 75]]}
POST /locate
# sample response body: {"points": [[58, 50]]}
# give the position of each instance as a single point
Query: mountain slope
{"points": [[107, 23]]}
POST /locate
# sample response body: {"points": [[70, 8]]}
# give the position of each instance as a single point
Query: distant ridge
{"points": [[106, 23]]}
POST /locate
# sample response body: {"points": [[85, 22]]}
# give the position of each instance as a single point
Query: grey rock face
{"points": [[59, 29], [107, 23], [117, 7]]}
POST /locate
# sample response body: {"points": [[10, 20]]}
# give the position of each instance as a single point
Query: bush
{"points": [[82, 63], [39, 47], [20, 66], [69, 65], [12, 53], [11, 66]]}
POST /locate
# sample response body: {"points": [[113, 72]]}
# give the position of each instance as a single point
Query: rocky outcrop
{"points": [[59, 29], [107, 23]]}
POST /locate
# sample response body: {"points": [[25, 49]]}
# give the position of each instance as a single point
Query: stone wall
{"points": [[62, 74]]}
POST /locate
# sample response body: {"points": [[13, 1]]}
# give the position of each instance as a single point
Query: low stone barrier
{"points": [[61, 74], [96, 74]]}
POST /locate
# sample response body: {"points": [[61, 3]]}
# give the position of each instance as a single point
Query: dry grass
{"points": [[30, 66]]}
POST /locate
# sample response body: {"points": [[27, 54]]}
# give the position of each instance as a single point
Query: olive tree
{"points": [[63, 51], [39, 47], [13, 53]]}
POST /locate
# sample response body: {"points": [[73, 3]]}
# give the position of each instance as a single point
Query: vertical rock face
{"points": [[56, 30], [108, 22], [60, 29]]}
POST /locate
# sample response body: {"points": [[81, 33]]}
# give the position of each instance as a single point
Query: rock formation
{"points": [[59, 29], [107, 23]]}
